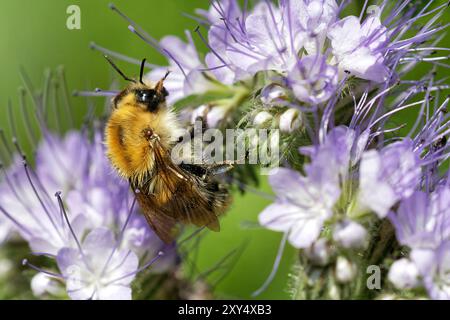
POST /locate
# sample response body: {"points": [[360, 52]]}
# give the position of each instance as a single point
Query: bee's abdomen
{"points": [[128, 152]]}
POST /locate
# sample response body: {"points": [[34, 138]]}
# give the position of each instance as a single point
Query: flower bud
{"points": [[404, 274], [350, 234], [319, 252], [290, 121], [198, 112], [215, 116], [333, 292], [345, 270], [42, 284], [271, 93], [262, 119]]}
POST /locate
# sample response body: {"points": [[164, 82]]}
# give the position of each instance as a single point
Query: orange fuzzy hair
{"points": [[128, 147]]}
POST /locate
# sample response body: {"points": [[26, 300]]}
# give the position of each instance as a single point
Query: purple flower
{"points": [[260, 41], [422, 221], [312, 80], [32, 212], [62, 164], [434, 267], [358, 47], [342, 148], [228, 9], [97, 270], [303, 204], [94, 205], [388, 175], [184, 63], [272, 94], [314, 17]]}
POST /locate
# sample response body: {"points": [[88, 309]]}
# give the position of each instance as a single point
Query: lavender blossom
{"points": [[342, 148], [357, 47], [312, 80], [97, 203], [422, 220], [388, 176], [184, 64], [434, 267], [96, 270], [422, 224], [303, 205]]}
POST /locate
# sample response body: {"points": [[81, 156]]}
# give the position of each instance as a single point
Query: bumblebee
{"points": [[139, 136]]}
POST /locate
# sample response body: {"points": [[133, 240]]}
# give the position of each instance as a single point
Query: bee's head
{"points": [[145, 96]]}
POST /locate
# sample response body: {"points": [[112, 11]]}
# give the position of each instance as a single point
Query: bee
{"points": [[139, 136]]}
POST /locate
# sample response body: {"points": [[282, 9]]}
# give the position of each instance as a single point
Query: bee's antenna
{"points": [[159, 85], [142, 71], [118, 70], [166, 75]]}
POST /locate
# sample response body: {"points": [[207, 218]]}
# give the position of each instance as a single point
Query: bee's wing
{"points": [[191, 201], [163, 224], [189, 198]]}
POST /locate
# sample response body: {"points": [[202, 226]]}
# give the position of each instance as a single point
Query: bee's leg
{"points": [[195, 169], [227, 165], [220, 168]]}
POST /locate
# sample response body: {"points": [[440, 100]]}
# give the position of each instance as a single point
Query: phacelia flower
{"points": [[302, 205], [359, 48], [422, 220], [184, 64], [422, 224], [434, 267], [388, 175], [97, 270], [313, 80], [78, 227]]}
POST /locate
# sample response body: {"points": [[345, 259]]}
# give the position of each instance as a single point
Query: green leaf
{"points": [[196, 100]]}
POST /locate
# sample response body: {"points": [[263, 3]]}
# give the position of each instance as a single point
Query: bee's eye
{"points": [[145, 96], [148, 97]]}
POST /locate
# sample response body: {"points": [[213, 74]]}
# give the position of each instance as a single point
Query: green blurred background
{"points": [[35, 37]]}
